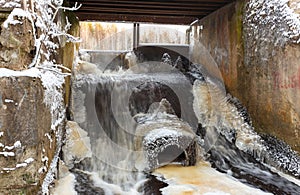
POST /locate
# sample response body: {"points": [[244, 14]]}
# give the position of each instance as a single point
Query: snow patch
{"points": [[50, 174], [29, 160], [8, 169], [8, 101], [17, 12], [45, 159], [25, 163], [49, 138], [9, 147], [7, 154], [276, 15], [21, 165], [10, 4], [43, 169], [160, 133], [17, 144], [33, 72]]}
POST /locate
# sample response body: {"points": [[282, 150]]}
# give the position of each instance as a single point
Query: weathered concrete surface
{"points": [[25, 118], [221, 35], [272, 73], [257, 63], [274, 85]]}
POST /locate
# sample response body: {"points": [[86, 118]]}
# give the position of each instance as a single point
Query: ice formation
{"points": [[277, 15], [53, 98], [160, 130], [77, 146], [219, 111], [213, 108], [33, 72], [10, 4], [282, 156], [17, 12]]}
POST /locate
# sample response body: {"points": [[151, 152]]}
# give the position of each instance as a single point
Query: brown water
{"points": [[201, 179]]}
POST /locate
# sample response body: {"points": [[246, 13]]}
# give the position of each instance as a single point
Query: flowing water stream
{"points": [[156, 130]]}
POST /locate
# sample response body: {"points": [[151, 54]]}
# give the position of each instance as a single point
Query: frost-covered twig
{"points": [[74, 8], [42, 16], [54, 70], [69, 37]]}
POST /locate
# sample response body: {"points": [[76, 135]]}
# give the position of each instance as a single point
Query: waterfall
{"points": [[155, 114]]}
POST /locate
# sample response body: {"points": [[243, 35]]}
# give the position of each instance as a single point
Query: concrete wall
{"points": [[255, 48]]}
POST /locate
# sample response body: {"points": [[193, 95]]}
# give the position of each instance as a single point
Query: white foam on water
{"points": [[65, 185], [112, 189]]}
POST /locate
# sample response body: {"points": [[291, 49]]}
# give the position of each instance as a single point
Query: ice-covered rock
{"points": [[84, 67], [166, 58], [165, 139], [65, 185], [281, 156], [77, 145], [130, 60]]}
